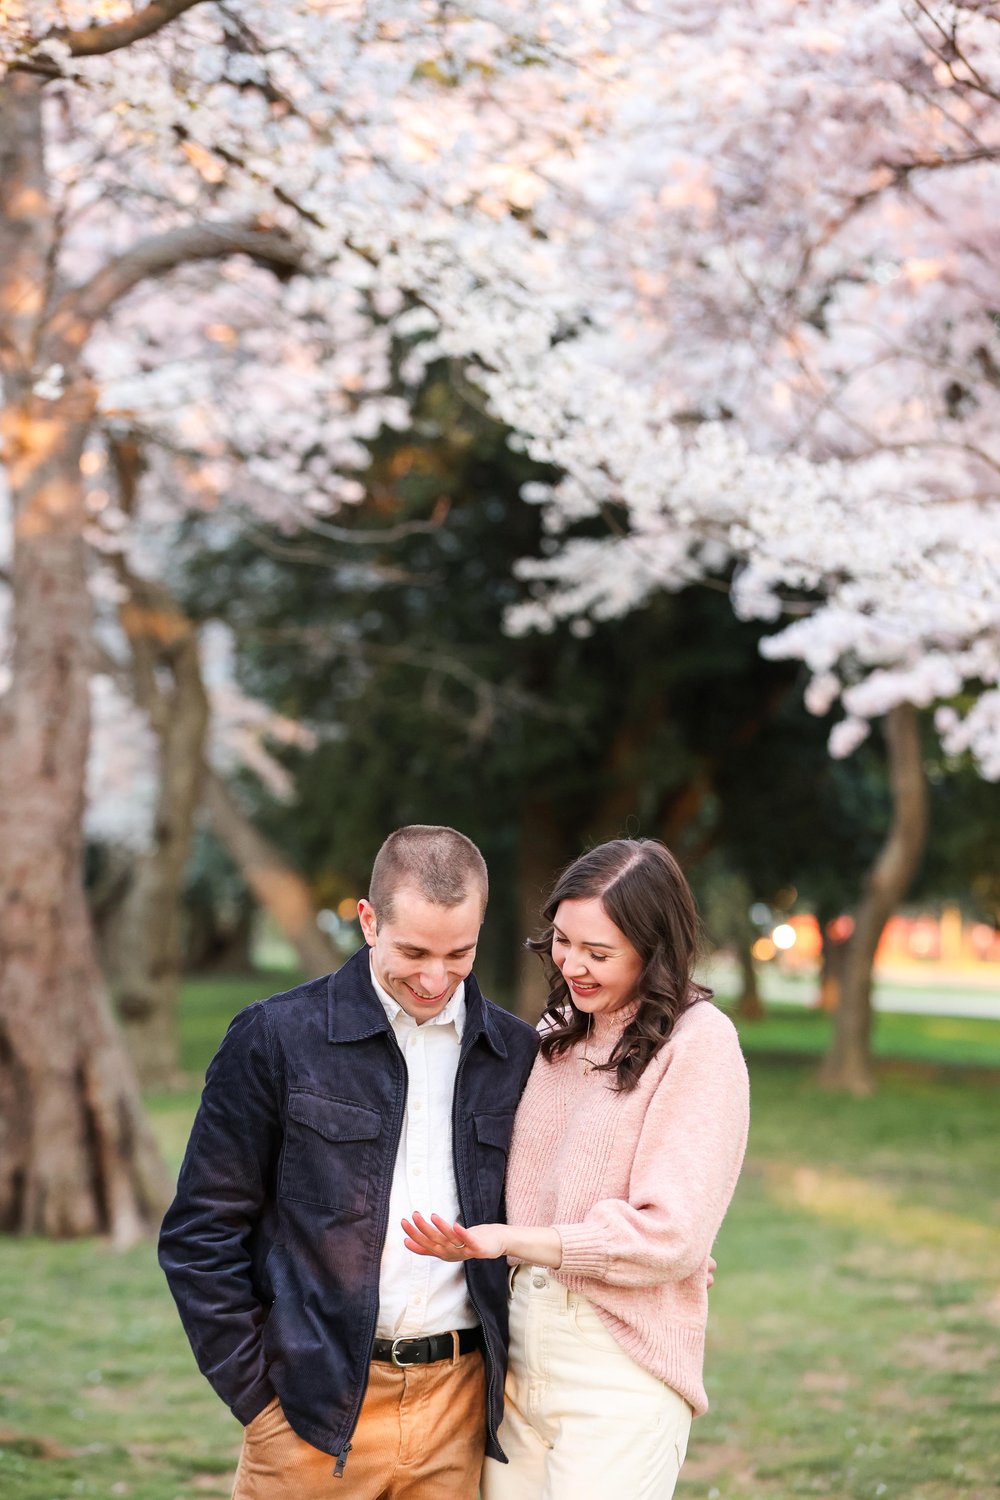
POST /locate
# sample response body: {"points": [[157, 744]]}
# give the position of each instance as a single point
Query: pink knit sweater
{"points": [[637, 1183]]}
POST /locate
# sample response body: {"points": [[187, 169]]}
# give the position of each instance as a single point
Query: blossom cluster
{"points": [[731, 270]]}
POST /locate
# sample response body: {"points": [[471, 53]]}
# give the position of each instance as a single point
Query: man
{"points": [[329, 1113]]}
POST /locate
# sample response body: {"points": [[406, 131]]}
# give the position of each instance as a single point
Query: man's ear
{"points": [[369, 924]]}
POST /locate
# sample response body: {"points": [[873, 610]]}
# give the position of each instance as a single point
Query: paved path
{"points": [[954, 995]]}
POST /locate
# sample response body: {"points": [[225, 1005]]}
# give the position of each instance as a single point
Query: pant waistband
{"points": [[429, 1348]]}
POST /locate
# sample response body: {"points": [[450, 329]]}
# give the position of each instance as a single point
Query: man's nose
{"points": [[432, 978]]}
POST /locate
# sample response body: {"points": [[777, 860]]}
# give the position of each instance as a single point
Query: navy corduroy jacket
{"points": [[273, 1243]]}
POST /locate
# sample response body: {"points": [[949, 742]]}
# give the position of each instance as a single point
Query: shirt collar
{"points": [[452, 1015]]}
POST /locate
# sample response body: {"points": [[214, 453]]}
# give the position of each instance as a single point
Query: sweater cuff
{"points": [[584, 1250]]}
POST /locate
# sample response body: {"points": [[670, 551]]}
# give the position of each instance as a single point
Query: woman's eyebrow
{"points": [[584, 943]]}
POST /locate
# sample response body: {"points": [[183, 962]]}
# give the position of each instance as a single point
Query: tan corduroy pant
{"points": [[420, 1436]]}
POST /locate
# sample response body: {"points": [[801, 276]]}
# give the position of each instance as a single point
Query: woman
{"points": [[626, 1149]]}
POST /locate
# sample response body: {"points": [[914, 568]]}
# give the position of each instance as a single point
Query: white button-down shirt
{"points": [[419, 1294]]}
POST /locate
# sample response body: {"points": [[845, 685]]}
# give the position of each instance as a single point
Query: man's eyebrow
{"points": [[415, 948]]}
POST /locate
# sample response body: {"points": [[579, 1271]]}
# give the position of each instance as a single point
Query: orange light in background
{"points": [[220, 333], [924, 938], [840, 929], [347, 909], [763, 949], [808, 942], [983, 939], [91, 462]]}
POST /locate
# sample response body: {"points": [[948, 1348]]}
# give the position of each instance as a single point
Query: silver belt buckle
{"points": [[399, 1363]]}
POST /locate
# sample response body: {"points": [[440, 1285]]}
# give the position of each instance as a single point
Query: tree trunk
{"points": [[749, 1006], [75, 1154], [149, 956], [540, 857], [848, 1065], [215, 944], [831, 974], [278, 887], [166, 673]]}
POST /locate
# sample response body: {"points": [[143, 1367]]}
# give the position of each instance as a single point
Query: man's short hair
{"points": [[440, 863]]}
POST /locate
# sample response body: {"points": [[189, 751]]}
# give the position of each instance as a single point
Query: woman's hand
{"points": [[451, 1241]]}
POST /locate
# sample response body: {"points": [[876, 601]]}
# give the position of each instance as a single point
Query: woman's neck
{"points": [[608, 1024]]}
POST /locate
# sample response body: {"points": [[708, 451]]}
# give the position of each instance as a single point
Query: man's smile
{"points": [[426, 999]]}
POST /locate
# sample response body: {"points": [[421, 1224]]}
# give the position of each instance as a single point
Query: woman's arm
{"points": [[451, 1241], [533, 1246]]}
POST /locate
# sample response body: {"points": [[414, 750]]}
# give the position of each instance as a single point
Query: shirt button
{"points": [[539, 1282], [416, 1171]]}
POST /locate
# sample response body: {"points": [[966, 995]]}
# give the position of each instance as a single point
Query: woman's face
{"points": [[594, 956]]}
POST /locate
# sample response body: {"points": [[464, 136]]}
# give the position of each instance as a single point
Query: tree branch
{"points": [[96, 41], [80, 309]]}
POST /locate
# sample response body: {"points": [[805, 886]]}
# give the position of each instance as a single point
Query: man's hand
{"points": [[451, 1241]]}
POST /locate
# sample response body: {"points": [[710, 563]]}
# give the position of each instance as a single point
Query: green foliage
{"points": [[391, 643]]}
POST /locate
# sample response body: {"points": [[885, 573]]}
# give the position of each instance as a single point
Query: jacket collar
{"points": [[355, 1012]]}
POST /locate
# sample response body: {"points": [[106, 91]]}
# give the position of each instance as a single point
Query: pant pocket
{"points": [[266, 1423], [589, 1326]]}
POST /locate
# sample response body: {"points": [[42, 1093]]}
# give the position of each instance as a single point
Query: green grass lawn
{"points": [[960, 1041], [855, 1334]]}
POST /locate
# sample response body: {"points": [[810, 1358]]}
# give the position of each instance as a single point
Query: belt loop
{"points": [[454, 1346]]}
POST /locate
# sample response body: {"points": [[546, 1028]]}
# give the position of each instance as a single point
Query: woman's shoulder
{"points": [[704, 1021]]}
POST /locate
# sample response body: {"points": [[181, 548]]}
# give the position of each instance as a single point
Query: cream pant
{"points": [[581, 1419]]}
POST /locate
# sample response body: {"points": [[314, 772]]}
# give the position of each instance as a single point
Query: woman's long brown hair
{"points": [[643, 890]]}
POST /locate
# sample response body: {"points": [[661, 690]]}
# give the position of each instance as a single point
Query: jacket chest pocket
{"points": [[329, 1156], [492, 1142]]}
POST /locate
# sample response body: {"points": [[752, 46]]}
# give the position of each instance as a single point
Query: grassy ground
{"points": [[959, 1041], [855, 1323]]}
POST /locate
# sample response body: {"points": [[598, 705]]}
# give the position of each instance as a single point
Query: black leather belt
{"points": [[425, 1351]]}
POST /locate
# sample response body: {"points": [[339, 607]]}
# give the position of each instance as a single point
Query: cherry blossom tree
{"points": [[348, 155], [727, 267], [810, 264]]}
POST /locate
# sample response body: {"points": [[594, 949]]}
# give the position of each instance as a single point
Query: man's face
{"points": [[423, 952]]}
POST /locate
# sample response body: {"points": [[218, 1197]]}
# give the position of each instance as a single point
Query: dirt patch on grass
{"points": [[946, 1352], [29, 1445], [710, 1461], [832, 1381], [895, 1396]]}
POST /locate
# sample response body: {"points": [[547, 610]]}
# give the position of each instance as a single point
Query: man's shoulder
{"points": [[299, 1012], [515, 1032], [312, 992]]}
